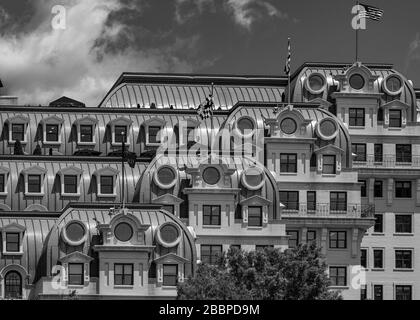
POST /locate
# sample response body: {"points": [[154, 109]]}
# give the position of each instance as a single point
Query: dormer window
{"points": [[70, 184], [395, 119], [52, 130], [120, 130], [329, 159], [2, 180], [328, 164], [106, 182], [255, 211], [34, 183], [17, 129], [4, 174], [255, 216], [12, 237], [154, 128], [76, 274], [85, 128], [70, 181], [76, 269]]}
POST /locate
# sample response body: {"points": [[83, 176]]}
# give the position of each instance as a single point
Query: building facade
{"points": [[277, 174]]}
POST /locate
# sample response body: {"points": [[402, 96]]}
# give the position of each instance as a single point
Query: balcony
{"points": [[388, 161], [325, 210]]}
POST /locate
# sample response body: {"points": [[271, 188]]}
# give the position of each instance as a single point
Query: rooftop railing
{"points": [[329, 210], [387, 161]]}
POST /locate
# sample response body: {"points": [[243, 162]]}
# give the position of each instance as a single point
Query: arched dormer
{"points": [[357, 79], [70, 181], [18, 129], [12, 239], [34, 181], [106, 182], [154, 131], [289, 123], [51, 130]]}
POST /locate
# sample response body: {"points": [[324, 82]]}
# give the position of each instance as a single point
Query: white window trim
{"points": [[13, 228], [395, 105], [329, 150], [170, 258], [373, 259], [346, 286], [86, 121], [413, 260], [108, 171], [5, 171], [255, 201], [76, 257], [36, 170], [122, 121], [395, 224], [70, 171], [18, 120], [54, 120], [154, 122]]}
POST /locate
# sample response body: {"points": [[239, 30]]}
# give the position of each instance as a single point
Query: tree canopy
{"points": [[269, 274]]}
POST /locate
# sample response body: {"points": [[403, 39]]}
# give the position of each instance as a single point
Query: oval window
{"points": [[253, 178], [169, 233], [393, 84], [357, 81], [328, 127], [288, 126], [123, 232], [211, 175], [166, 175], [245, 126], [75, 231], [316, 82]]}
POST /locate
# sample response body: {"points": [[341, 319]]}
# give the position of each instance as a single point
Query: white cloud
{"points": [[42, 65]]}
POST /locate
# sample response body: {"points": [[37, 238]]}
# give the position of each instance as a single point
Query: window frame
{"points": [[311, 205], [363, 188], [288, 162], [402, 155], [378, 157], [398, 215], [336, 204], [364, 258], [376, 193], [124, 274], [165, 275], [358, 120], [18, 243], [338, 243], [402, 260], [391, 118], [295, 238], [253, 216], [211, 215], [336, 283], [397, 286], [82, 275], [378, 261], [329, 165], [212, 258], [381, 287], [402, 193], [287, 202], [382, 223], [354, 149]]}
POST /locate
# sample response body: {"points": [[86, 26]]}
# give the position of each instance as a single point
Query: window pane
{"points": [[86, 133], [154, 134], [328, 164], [395, 118], [18, 131], [12, 242], [70, 184], [403, 223], [34, 183], [52, 132], [255, 216], [107, 184]]}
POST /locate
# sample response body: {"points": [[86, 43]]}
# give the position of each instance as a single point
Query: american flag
{"points": [[370, 12], [205, 109], [287, 66]]}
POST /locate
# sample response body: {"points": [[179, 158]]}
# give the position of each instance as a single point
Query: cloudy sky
{"points": [[103, 38]]}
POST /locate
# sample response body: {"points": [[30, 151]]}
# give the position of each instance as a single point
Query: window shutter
{"points": [[159, 273], [86, 272], [65, 271], [265, 215], [245, 214], [180, 273]]}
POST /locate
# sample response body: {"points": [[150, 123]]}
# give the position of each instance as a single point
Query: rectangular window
{"points": [[107, 184], [338, 239], [169, 207], [328, 164], [363, 258], [379, 223], [288, 162], [378, 292], [86, 133], [378, 152], [70, 184], [12, 242], [338, 201], [154, 134], [123, 274], [2, 184], [255, 216], [120, 134], [403, 259], [290, 199], [18, 132], [76, 274], [311, 236], [211, 215], [403, 223], [378, 258], [170, 275], [403, 292], [52, 132], [338, 276], [363, 292], [403, 189], [293, 238], [34, 183], [311, 200], [210, 253], [357, 117], [377, 189], [403, 152], [359, 149], [363, 188], [395, 118]]}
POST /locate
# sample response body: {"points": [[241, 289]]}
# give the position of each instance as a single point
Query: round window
{"points": [[316, 82], [328, 127], [393, 84], [211, 175], [245, 126], [288, 126], [253, 178], [169, 233], [166, 175], [75, 231], [123, 232], [357, 81]]}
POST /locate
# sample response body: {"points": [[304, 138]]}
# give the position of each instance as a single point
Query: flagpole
{"points": [[288, 77], [122, 170], [211, 118], [357, 40]]}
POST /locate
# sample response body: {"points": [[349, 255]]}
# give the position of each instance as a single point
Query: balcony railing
{"points": [[340, 210], [388, 161]]}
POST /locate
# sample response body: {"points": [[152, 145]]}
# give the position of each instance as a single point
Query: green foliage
{"points": [[269, 274]]}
